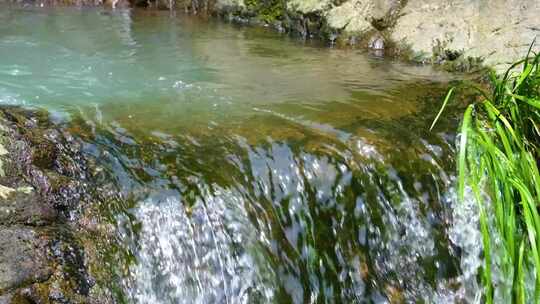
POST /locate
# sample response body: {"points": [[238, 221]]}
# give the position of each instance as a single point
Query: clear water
{"points": [[251, 168]]}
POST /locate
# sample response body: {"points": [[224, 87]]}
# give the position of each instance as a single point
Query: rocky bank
{"points": [[458, 33], [461, 34], [44, 192]]}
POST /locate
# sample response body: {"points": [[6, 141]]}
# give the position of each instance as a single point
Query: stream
{"points": [[250, 167]]}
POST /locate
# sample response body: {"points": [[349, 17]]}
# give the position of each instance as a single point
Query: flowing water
{"points": [[249, 167]]}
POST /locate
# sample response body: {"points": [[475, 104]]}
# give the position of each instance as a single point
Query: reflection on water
{"points": [[249, 168]]}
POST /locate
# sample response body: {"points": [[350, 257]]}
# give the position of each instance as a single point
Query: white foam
{"points": [[465, 233], [200, 257]]}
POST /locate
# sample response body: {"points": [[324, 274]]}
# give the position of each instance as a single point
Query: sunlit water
{"points": [[251, 168]]}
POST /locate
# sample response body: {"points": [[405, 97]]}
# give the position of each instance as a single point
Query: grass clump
{"points": [[498, 161]]}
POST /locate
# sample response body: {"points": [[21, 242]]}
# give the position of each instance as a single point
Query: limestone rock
{"points": [[352, 16], [227, 4], [308, 6], [497, 31]]}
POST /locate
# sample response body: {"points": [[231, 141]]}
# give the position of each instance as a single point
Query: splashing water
{"points": [[195, 251]]}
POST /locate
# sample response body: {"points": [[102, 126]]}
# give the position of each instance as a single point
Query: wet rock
{"points": [[47, 159], [23, 258], [44, 186], [24, 206]]}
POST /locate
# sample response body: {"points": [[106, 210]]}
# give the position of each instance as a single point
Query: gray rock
{"points": [[43, 180], [498, 31], [6, 298], [23, 257], [381, 8], [24, 206]]}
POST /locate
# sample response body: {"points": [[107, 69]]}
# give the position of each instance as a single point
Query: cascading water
{"points": [[247, 168], [228, 221], [191, 258]]}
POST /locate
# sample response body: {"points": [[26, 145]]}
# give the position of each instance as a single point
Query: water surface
{"points": [[249, 167]]}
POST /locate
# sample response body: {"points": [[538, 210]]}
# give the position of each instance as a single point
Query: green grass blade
{"points": [[465, 130], [442, 108]]}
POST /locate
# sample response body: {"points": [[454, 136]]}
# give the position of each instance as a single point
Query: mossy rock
{"points": [[45, 183], [267, 10]]}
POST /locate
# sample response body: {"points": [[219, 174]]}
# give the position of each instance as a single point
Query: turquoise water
{"points": [[249, 167]]}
